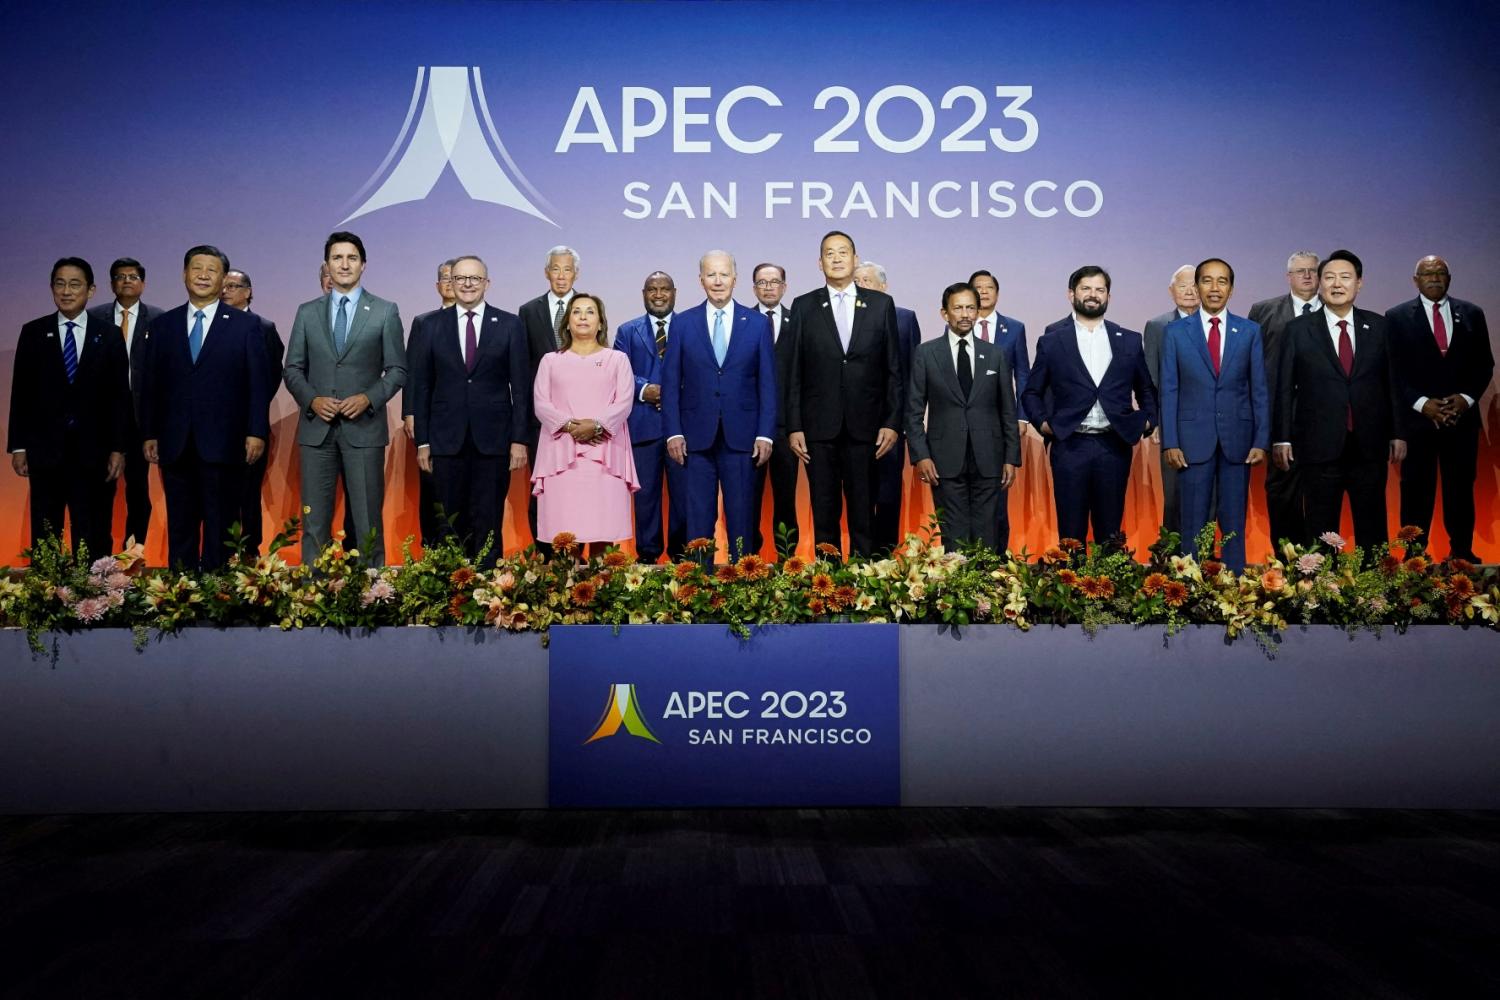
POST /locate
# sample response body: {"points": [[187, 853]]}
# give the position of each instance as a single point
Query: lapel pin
{"points": [[825, 305], [49, 336], [1364, 326], [367, 308], [494, 319]]}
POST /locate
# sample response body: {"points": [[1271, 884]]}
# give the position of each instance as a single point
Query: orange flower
{"points": [[686, 593], [1069, 544], [1153, 584], [846, 595], [1408, 534], [583, 593], [726, 574], [1389, 564], [716, 602], [831, 551], [822, 584], [1054, 555], [1273, 581], [1461, 586], [794, 566], [1416, 564], [616, 558], [754, 568], [1099, 587], [815, 606], [1456, 605], [1212, 567], [1462, 566], [700, 544], [456, 607], [462, 577], [1175, 592], [565, 540], [683, 570], [1067, 577]]}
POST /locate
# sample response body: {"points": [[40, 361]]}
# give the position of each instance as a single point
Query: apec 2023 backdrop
{"points": [[1025, 139]]}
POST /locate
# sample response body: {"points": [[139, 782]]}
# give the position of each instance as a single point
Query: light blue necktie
{"points": [[70, 352], [841, 322], [341, 326], [720, 347], [195, 335]]}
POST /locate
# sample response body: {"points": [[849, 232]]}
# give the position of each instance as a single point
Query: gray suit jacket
{"points": [[1273, 315], [987, 417], [1156, 329], [373, 362]]}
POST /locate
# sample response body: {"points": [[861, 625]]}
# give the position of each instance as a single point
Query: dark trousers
{"points": [[890, 475], [470, 486], [137, 480], [841, 479], [76, 485], [1215, 489], [542, 546], [249, 513], [1284, 504], [202, 501], [1363, 479], [782, 470], [654, 470], [1453, 450], [1089, 475], [967, 505], [1171, 496], [429, 527], [708, 472]]}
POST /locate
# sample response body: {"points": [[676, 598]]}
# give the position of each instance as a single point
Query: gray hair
{"points": [[470, 256], [559, 251], [718, 253], [449, 265], [1303, 253], [1189, 267], [879, 271]]}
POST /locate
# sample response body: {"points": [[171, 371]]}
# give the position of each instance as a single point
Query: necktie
{"points": [[1213, 343], [471, 344], [1440, 329], [984, 330], [557, 323], [661, 338], [70, 352], [1346, 361], [125, 327], [340, 325], [1306, 308], [965, 370], [771, 318], [720, 347], [841, 322], [195, 335]]}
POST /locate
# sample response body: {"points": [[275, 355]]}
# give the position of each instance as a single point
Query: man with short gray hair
{"points": [[1184, 303], [890, 471], [543, 319]]}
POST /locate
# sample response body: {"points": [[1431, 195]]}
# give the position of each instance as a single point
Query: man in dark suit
{"points": [[644, 341], [969, 445], [1092, 393], [844, 396], [1336, 415], [1284, 498], [1010, 334], [1184, 303], [238, 293], [718, 403], [1441, 356], [890, 471], [543, 319], [206, 410], [471, 402], [70, 412], [428, 527], [783, 468], [127, 280]]}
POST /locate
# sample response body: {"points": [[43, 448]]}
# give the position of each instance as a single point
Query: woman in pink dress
{"points": [[585, 470]]}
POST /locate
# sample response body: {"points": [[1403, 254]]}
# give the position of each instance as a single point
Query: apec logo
{"points": [[622, 709]]}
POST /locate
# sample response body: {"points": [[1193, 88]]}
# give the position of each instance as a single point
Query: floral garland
{"points": [[1326, 583]]}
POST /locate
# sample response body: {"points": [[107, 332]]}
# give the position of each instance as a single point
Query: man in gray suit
{"points": [[344, 363], [969, 447], [1284, 501], [1184, 303]]}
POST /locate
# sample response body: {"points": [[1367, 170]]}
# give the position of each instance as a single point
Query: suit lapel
{"points": [[1201, 342], [324, 327], [830, 325], [946, 366], [448, 342], [357, 322], [216, 332], [1365, 343], [1072, 351], [983, 354], [1325, 345], [859, 324]]}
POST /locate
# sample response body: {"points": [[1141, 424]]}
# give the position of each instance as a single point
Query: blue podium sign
{"points": [[691, 715]]}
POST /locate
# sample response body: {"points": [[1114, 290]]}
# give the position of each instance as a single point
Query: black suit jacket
{"points": [[784, 350], [1422, 370], [449, 403], [830, 390], [140, 346], [541, 340], [413, 344], [1274, 315], [275, 351], [1315, 397], [43, 403]]}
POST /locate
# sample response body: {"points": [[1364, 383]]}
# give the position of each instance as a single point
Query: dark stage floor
{"points": [[787, 903]]}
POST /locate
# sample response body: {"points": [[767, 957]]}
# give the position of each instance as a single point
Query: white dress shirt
{"points": [[1094, 346], [1297, 304], [847, 307], [990, 332], [953, 341], [1223, 318], [463, 323], [651, 323], [773, 316], [1333, 329], [1446, 309], [80, 330], [209, 312]]}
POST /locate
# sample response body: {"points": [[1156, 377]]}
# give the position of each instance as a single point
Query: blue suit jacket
{"points": [[697, 395], [1010, 335], [1060, 392], [1200, 412], [637, 338], [220, 400]]}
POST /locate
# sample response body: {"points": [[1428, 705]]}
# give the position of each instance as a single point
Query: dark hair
{"points": [[78, 262], [955, 288], [242, 274], [984, 274], [1087, 271], [826, 237], [602, 338], [1359, 267], [1198, 271], [345, 237], [756, 270], [125, 262], [204, 250]]}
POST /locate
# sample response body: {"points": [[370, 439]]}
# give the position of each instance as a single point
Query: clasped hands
{"points": [[1444, 411], [328, 407], [584, 431]]}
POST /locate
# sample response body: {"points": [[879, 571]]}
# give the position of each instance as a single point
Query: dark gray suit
{"points": [[1284, 492], [967, 438], [137, 469], [1171, 512]]}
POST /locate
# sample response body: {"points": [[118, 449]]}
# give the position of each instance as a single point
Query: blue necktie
{"points": [[70, 352], [341, 326], [720, 347], [195, 336]]}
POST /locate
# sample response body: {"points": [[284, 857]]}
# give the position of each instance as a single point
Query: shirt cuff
{"points": [[1421, 402], [19, 451], [675, 437], [1467, 398], [765, 439], [1278, 444]]}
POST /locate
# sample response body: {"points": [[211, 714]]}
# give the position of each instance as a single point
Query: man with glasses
{"points": [[428, 525], [543, 318], [890, 471], [238, 293], [127, 280], [782, 469]]}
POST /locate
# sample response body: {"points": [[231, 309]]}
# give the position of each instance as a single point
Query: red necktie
{"points": [[984, 330], [1440, 329], [471, 345], [1213, 343], [1346, 361]]}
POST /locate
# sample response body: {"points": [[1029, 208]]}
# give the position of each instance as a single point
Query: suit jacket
{"points": [[637, 339], [908, 337], [373, 362], [541, 340], [1273, 315], [43, 403], [985, 418], [697, 395], [1316, 396], [140, 346], [1061, 392], [785, 348], [1201, 412], [1422, 370], [412, 346], [1151, 338], [450, 403], [218, 401], [830, 390], [1010, 334], [275, 352]]}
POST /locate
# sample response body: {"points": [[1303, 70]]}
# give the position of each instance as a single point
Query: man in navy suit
{"points": [[890, 471], [783, 468], [238, 293], [1010, 334], [70, 412], [644, 341], [718, 403], [206, 410], [471, 402], [1440, 352], [1092, 393], [428, 527], [1215, 413]]}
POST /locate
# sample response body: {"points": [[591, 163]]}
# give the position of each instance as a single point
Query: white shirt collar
{"points": [[1298, 303], [1223, 317], [459, 310], [1429, 303], [209, 312]]}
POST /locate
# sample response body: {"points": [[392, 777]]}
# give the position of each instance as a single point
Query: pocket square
{"points": [[989, 372]]}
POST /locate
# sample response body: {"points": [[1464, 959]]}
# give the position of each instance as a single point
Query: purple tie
{"points": [[471, 344]]}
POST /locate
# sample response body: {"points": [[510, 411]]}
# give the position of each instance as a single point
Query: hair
{"points": [[449, 265], [879, 271], [984, 274], [1359, 267], [469, 256], [780, 270], [1184, 267], [602, 338], [205, 250], [559, 251], [242, 274], [343, 236], [1198, 271], [125, 262], [955, 288], [1301, 253], [78, 262], [733, 269], [659, 274], [1087, 271], [836, 232]]}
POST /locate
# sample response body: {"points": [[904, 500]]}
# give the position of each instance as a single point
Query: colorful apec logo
{"points": [[621, 710]]}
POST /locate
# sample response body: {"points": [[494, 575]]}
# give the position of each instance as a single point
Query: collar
{"points": [[833, 293], [81, 320], [1430, 304], [1297, 303], [459, 310]]}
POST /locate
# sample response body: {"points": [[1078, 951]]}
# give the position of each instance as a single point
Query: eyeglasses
{"points": [[74, 285], [769, 282], [469, 279], [233, 287], [126, 279], [1303, 272]]}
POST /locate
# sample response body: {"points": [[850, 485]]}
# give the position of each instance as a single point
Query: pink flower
{"points": [[102, 565], [336, 584], [1309, 563], [118, 581], [90, 609], [378, 593], [64, 594], [1333, 539], [506, 580]]}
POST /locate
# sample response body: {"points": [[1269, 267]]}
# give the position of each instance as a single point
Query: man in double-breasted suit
{"points": [[543, 319], [969, 446], [344, 363]]}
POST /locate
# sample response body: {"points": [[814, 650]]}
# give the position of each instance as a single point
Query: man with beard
{"points": [[1090, 395]]}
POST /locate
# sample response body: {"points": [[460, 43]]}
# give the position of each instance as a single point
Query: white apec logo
{"points": [[449, 133]]}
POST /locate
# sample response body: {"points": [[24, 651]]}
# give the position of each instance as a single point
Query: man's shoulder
{"points": [[494, 314], [1266, 306], [1064, 324], [105, 312], [1161, 322], [41, 324], [540, 302], [1008, 322], [1116, 330], [904, 314], [810, 300]]}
